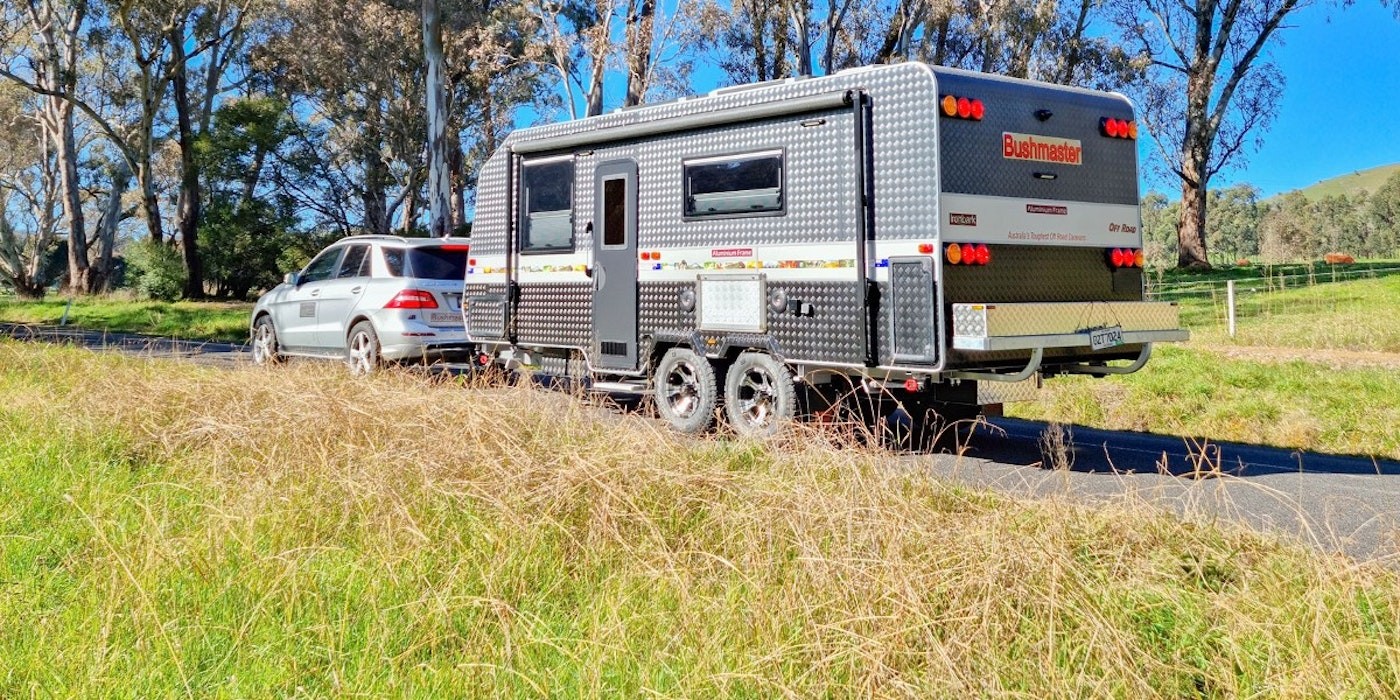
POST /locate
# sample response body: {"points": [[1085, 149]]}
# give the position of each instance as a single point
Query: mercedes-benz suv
{"points": [[368, 300]]}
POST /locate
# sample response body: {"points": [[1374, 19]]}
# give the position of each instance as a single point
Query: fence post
{"points": [[1230, 306]]}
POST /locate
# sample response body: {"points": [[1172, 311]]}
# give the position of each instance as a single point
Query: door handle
{"points": [[355, 290], [315, 292]]}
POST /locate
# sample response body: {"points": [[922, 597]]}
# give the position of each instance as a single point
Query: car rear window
{"points": [[434, 263]]}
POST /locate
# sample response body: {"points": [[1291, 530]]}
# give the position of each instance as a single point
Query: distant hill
{"points": [[1369, 180]]}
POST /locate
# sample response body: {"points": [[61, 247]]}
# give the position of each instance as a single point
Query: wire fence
{"points": [[1301, 307]]}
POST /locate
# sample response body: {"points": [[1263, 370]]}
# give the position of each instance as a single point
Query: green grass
{"points": [[1196, 392], [1358, 315], [168, 530], [1352, 183], [226, 321]]}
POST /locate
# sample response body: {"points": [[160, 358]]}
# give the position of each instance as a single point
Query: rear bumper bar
{"points": [[994, 327]]}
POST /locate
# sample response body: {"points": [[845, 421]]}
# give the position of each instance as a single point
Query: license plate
{"points": [[444, 317], [1103, 338]]}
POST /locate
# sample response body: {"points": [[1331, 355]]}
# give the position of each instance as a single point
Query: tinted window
{"points": [[547, 196], [615, 212], [438, 263], [355, 263], [322, 267], [747, 184], [393, 259]]}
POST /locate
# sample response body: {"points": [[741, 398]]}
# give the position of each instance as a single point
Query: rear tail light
{"points": [[963, 107], [1118, 128], [968, 254], [1125, 257], [412, 299]]}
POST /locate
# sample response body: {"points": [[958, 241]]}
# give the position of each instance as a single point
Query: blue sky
{"points": [[1341, 107], [1340, 111]]}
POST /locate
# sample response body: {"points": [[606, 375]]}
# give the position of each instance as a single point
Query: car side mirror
{"points": [[292, 278]]}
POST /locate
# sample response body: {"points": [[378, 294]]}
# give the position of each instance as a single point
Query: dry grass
{"points": [[170, 530]]}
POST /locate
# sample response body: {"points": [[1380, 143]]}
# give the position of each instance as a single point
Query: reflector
{"points": [[925, 248]]}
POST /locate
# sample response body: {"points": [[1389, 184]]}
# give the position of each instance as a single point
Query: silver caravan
{"points": [[939, 238]]}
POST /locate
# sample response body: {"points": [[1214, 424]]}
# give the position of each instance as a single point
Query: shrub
{"points": [[156, 270]]}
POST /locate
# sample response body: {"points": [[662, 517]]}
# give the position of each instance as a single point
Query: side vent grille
{"points": [[614, 347]]}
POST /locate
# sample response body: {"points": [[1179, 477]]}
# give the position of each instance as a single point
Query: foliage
{"points": [[518, 544], [156, 270], [243, 247]]}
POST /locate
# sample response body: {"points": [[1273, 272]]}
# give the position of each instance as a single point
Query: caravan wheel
{"points": [[685, 390], [759, 396]]}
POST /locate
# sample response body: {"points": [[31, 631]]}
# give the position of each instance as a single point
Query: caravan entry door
{"points": [[615, 265]]}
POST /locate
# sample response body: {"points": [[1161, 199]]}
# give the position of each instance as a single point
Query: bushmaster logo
{"points": [[1046, 149]]}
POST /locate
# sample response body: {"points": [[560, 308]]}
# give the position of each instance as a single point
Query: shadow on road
{"points": [[1100, 451]]}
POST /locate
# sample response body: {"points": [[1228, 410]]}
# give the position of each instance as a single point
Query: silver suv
{"points": [[368, 300]]}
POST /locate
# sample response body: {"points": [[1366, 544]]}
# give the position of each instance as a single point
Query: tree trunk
{"points": [[439, 187], [1191, 227], [79, 271], [640, 18], [107, 225], [190, 199]]}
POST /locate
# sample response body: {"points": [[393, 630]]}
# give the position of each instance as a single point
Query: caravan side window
{"points": [[547, 196], [740, 185]]}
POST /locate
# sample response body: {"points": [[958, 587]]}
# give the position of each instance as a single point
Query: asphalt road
{"points": [[1343, 504]]}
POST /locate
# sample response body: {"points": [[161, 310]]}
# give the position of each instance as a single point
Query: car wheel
{"points": [[362, 347], [759, 396], [265, 348], [684, 386]]}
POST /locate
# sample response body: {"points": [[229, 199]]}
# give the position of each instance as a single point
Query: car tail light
{"points": [[963, 108], [412, 299], [1118, 128]]}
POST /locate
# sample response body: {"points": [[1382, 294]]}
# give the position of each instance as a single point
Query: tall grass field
{"points": [[175, 531]]}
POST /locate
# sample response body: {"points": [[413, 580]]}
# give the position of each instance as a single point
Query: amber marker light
{"points": [[925, 248], [953, 253], [950, 106]]}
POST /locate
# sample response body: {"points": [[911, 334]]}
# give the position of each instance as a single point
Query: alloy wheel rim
{"points": [[681, 390], [756, 397], [262, 344], [360, 353]]}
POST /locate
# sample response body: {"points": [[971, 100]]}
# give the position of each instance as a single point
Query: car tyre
{"points": [[266, 351], [685, 391], [759, 395], [362, 349]]}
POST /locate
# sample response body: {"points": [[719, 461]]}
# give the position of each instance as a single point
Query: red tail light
{"points": [[968, 254], [962, 107], [455, 247], [1125, 257], [412, 299], [1118, 128]]}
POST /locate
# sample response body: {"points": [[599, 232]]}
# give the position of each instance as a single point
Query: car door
{"points": [[295, 313], [340, 295]]}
